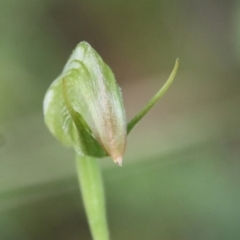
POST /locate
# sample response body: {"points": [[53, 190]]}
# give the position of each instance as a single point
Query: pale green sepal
{"points": [[56, 115], [151, 103], [87, 144]]}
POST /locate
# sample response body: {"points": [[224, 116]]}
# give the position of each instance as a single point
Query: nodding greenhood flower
{"points": [[83, 107]]}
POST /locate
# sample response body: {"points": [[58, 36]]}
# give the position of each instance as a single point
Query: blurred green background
{"points": [[180, 178]]}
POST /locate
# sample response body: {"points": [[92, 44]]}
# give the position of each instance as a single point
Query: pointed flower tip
{"points": [[118, 161]]}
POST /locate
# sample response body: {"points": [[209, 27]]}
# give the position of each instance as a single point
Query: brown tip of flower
{"points": [[118, 160]]}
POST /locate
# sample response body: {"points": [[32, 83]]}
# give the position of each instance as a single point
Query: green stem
{"points": [[91, 184]]}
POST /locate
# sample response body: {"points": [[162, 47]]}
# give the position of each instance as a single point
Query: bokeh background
{"points": [[180, 178]]}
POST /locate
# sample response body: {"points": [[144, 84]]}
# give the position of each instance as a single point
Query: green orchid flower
{"points": [[83, 107]]}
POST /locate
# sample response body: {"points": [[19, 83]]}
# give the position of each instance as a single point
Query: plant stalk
{"points": [[91, 185]]}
